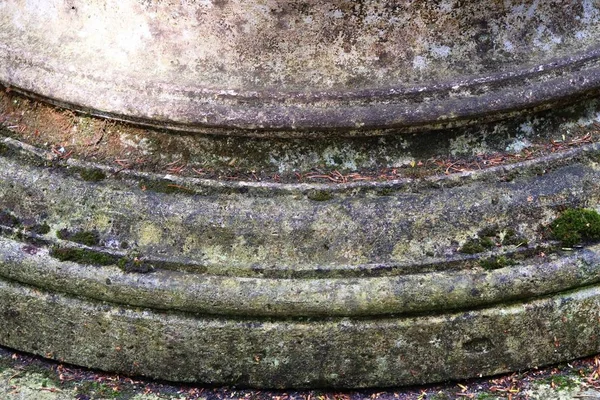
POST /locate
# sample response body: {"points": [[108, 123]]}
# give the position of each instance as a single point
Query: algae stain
{"points": [[319, 195], [400, 250], [83, 256], [149, 234], [492, 237], [88, 238], [493, 263], [91, 174], [102, 222]]}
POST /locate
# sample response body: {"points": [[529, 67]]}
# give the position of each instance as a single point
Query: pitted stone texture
{"points": [[302, 46], [282, 66], [310, 353], [284, 230]]}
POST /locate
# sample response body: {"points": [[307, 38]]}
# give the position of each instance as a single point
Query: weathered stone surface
{"points": [[300, 353], [248, 301], [295, 67], [383, 280]]}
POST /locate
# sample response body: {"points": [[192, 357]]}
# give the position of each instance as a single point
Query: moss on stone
{"points": [[491, 237], [479, 245], [472, 246], [319, 195], [134, 265], [511, 237], [40, 229], [384, 192], [576, 226], [487, 242], [4, 149], [559, 382], [489, 231], [97, 390], [83, 256], [88, 238], [486, 396], [92, 174], [496, 263], [165, 187]]}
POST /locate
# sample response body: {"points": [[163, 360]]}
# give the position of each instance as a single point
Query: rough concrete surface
{"points": [[379, 281], [163, 308], [302, 67]]}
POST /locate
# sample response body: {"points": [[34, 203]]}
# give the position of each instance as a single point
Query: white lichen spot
{"points": [[508, 45], [466, 145], [531, 11], [518, 145], [545, 39], [112, 244], [371, 19], [341, 158], [403, 162], [337, 14], [440, 51], [527, 128], [142, 144], [419, 63], [447, 5], [42, 9], [590, 12]]}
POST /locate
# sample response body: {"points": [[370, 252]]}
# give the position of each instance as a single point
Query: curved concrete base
{"points": [[280, 69], [389, 279], [210, 310], [301, 353]]}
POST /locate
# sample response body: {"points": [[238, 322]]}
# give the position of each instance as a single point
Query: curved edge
{"points": [[329, 297], [256, 188], [304, 353], [196, 111]]}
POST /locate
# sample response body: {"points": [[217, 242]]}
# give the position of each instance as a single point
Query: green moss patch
{"points": [[492, 237], [560, 382], [4, 149], [496, 263], [384, 192], [135, 265], [88, 238], [319, 195], [91, 174], [83, 256], [97, 258], [97, 390], [474, 246], [511, 237], [40, 229], [165, 187], [576, 226]]}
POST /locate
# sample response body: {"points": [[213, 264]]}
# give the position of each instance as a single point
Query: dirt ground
{"points": [[25, 377]]}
